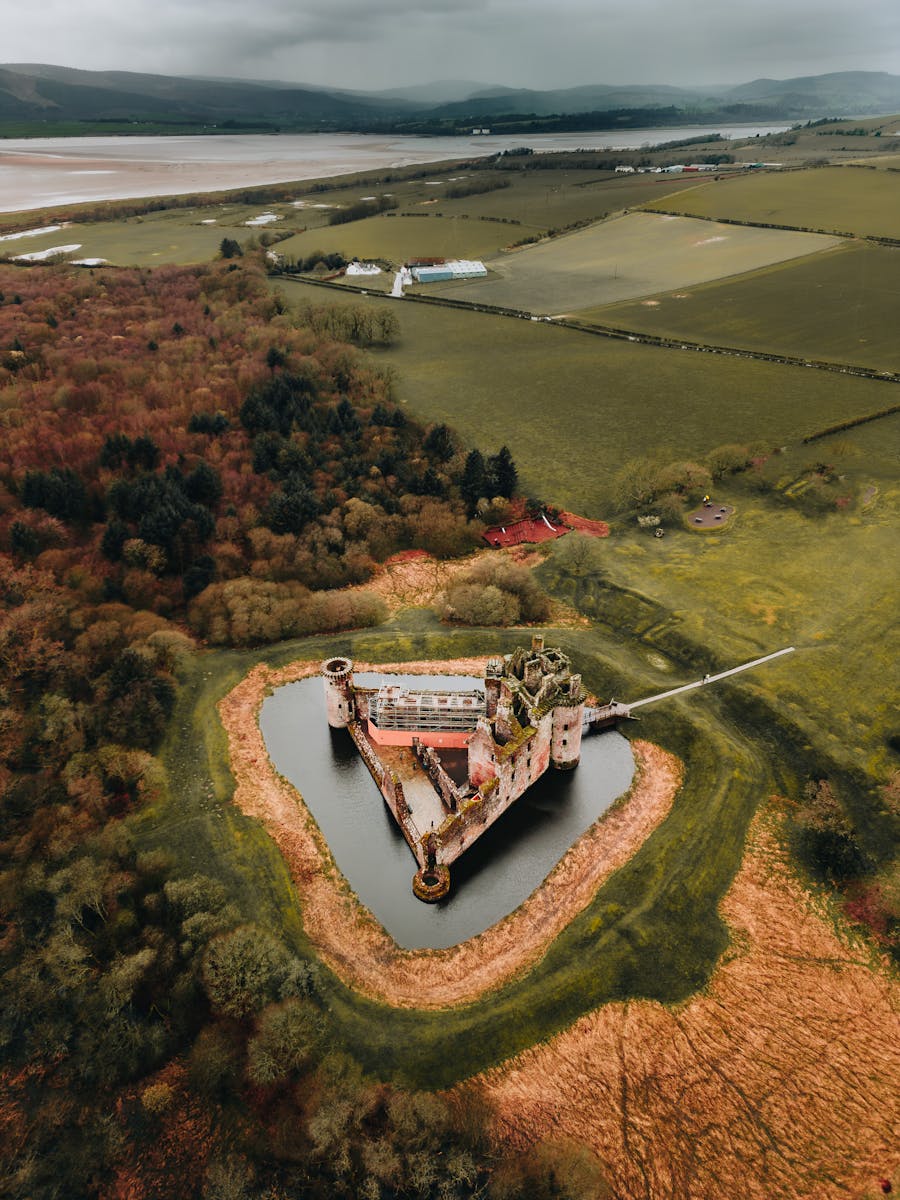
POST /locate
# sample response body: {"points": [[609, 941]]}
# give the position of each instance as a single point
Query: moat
{"points": [[494, 876]]}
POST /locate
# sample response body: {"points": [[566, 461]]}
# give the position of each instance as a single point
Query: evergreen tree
{"points": [[473, 484], [502, 474], [439, 443]]}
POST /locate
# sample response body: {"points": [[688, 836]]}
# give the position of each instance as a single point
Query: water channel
{"points": [[41, 172], [500, 871]]}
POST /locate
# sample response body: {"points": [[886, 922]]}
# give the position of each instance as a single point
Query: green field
{"points": [[839, 199], [544, 199], [397, 238], [427, 223], [574, 408], [173, 236], [468, 227], [842, 306], [820, 583], [629, 256]]}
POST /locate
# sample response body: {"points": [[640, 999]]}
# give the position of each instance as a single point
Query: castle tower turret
{"points": [[565, 742], [568, 716], [492, 676], [337, 678]]}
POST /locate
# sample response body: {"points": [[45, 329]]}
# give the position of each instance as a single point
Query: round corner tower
{"points": [[337, 678], [568, 714]]}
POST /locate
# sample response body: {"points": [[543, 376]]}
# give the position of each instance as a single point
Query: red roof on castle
{"points": [[541, 529]]}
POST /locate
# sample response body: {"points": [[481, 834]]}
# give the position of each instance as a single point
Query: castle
{"points": [[530, 716], [527, 718]]}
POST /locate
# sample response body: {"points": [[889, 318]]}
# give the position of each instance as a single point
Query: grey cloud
{"points": [[529, 43]]}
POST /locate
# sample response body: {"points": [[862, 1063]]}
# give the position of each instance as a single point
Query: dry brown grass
{"points": [[349, 939], [413, 579], [780, 1080]]}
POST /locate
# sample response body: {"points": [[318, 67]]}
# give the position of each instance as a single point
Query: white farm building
{"points": [[457, 268]]}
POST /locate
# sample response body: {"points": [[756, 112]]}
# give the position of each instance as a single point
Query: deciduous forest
{"points": [[181, 459]]}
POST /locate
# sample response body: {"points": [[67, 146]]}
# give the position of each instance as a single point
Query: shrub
{"points": [[247, 612], [247, 969], [495, 592]]}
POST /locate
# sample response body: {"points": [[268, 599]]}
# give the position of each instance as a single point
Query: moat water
{"points": [[501, 870]]}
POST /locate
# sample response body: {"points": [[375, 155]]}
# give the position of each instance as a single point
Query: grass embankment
{"points": [[652, 930], [842, 307], [574, 408], [842, 200]]}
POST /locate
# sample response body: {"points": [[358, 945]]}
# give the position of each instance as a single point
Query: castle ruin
{"points": [[527, 718], [530, 716]]}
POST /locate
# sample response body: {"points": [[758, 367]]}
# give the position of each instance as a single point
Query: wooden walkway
{"points": [[608, 714]]}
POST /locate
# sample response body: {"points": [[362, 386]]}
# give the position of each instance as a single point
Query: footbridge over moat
{"points": [[604, 715]]}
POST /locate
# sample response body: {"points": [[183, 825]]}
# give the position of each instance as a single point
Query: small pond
{"points": [[501, 870]]}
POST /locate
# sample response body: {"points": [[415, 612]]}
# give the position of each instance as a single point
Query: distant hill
{"points": [[842, 93], [589, 98], [41, 93]]}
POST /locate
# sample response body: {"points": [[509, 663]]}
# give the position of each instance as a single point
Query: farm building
{"points": [[457, 268]]}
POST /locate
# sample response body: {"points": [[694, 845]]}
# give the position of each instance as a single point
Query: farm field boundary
{"points": [[839, 307], [619, 334], [474, 370], [834, 199], [863, 237]]}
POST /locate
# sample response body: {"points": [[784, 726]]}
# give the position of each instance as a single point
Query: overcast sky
{"points": [[372, 44]]}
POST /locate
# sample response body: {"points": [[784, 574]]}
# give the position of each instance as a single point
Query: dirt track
{"points": [[780, 1080], [348, 937]]}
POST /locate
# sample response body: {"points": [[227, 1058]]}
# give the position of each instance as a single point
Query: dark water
{"points": [[504, 866]]}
